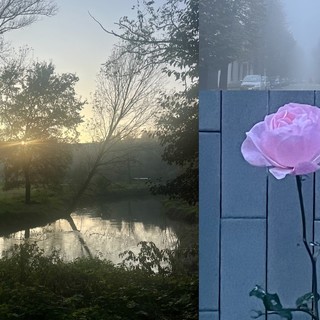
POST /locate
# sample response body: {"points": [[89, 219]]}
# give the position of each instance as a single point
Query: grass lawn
{"points": [[45, 206]]}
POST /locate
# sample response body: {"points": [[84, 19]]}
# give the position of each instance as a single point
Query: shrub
{"points": [[35, 286]]}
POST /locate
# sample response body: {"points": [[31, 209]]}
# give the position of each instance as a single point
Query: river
{"points": [[105, 230]]}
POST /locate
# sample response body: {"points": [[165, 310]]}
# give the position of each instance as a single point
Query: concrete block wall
{"points": [[250, 224]]}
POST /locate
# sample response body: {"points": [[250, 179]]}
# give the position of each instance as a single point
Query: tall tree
{"points": [[315, 62], [229, 30], [277, 44], [166, 35], [124, 101], [174, 29], [177, 131], [39, 114]]}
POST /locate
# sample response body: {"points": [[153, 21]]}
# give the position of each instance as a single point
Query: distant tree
{"points": [[136, 157], [229, 31], [123, 103], [277, 43], [39, 114], [315, 62]]}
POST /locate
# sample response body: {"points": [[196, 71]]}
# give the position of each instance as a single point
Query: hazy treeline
{"points": [[254, 32], [130, 160]]}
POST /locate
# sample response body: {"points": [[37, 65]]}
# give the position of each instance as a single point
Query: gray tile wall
{"points": [[250, 224], [209, 220]]}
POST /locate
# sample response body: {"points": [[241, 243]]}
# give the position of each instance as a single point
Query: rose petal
{"points": [[256, 135], [280, 173], [288, 141], [252, 155], [294, 149], [305, 168]]}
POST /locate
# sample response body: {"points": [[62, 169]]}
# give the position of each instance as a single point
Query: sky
{"points": [[303, 21], [72, 40], [75, 43]]}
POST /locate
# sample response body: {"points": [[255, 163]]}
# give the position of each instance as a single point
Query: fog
{"points": [[276, 40], [303, 22]]}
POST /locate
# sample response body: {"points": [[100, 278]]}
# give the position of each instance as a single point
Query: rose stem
{"points": [[312, 258]]}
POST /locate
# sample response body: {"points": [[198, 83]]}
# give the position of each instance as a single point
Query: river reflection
{"points": [[106, 230]]}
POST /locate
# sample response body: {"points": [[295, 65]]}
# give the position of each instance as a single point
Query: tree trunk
{"points": [[208, 77], [223, 83], [86, 183], [27, 185]]}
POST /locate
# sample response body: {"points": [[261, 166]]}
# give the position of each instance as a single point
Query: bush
{"points": [[33, 286]]}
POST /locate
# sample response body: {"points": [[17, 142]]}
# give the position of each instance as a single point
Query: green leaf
{"points": [[257, 292], [302, 302], [271, 302]]}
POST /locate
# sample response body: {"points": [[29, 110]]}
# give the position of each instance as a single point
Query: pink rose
{"points": [[287, 141]]}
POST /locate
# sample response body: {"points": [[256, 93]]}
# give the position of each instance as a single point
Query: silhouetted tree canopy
{"points": [[177, 131], [251, 31], [229, 30], [278, 47], [166, 35], [316, 62], [123, 102], [39, 114], [16, 14]]}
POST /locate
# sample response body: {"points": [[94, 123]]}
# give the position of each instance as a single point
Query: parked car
{"points": [[254, 82]]}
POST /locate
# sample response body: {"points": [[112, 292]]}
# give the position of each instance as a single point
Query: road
{"points": [[300, 86]]}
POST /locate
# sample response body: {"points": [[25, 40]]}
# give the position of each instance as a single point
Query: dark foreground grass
{"points": [[33, 286], [46, 206]]}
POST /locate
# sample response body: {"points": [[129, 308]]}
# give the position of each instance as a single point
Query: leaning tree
{"points": [[167, 35], [124, 102]]}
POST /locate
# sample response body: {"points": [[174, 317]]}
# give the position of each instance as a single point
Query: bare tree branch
{"points": [[16, 14], [124, 102], [165, 34]]}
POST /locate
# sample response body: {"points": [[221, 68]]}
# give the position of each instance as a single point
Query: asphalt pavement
{"points": [[300, 86]]}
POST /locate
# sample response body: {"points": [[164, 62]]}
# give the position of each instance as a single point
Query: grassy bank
{"points": [[15, 214], [47, 205], [33, 286], [181, 210]]}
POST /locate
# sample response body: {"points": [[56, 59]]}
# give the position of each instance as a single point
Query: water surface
{"points": [[105, 230]]}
